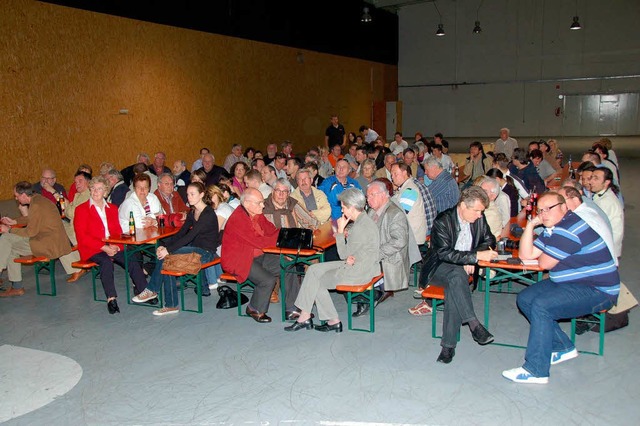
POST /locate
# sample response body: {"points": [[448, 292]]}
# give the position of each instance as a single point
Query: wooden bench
{"points": [[436, 294], [365, 290], [95, 271], [191, 281], [601, 316], [40, 263]]}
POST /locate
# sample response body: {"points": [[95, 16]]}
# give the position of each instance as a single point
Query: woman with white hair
{"points": [[360, 250]]}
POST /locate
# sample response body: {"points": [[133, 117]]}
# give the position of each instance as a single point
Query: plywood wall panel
{"points": [[66, 73]]}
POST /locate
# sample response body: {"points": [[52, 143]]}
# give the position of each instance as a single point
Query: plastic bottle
{"points": [[132, 224]]}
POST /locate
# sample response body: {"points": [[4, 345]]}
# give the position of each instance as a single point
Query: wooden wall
{"points": [[66, 73]]}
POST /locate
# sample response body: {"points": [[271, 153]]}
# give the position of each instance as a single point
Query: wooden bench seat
{"points": [[40, 263], [365, 290], [191, 281], [95, 271]]}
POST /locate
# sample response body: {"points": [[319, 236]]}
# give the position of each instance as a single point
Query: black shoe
{"points": [[204, 294], [326, 327], [363, 308], [446, 355], [383, 297], [308, 324], [112, 306], [481, 335], [153, 301], [293, 315]]}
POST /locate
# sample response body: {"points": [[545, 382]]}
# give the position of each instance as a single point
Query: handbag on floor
{"points": [[184, 262]]}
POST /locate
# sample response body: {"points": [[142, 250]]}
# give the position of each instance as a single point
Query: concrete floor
{"points": [[217, 368]]}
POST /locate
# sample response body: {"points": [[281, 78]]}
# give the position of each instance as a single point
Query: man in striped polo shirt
{"points": [[583, 279]]}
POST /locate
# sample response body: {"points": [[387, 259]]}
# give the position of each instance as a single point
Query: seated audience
{"points": [[583, 279], [142, 168], [117, 188], [498, 213], [605, 196], [316, 179], [385, 172], [238, 171], [72, 188], [198, 163], [246, 233], [335, 155], [460, 238], [443, 187], [199, 234], [477, 163], [42, 235], [508, 189], [253, 179], [128, 173], [332, 186], [284, 211], [293, 165], [213, 172], [360, 251], [229, 196], [94, 221], [544, 169], [144, 205], [409, 198], [49, 187], [235, 157], [81, 183], [409, 158], [505, 144], [158, 166], [170, 200], [526, 172], [314, 200], [181, 174], [367, 175]]}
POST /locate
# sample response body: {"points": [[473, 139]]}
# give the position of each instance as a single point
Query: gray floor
{"points": [[217, 368]]}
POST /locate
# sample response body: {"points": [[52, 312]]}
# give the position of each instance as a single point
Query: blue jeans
{"points": [[168, 282], [546, 302]]}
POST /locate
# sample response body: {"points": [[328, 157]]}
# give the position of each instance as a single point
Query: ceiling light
{"points": [[366, 18], [440, 31], [477, 29], [575, 25]]}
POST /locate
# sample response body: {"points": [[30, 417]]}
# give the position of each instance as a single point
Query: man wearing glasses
{"points": [[246, 233], [48, 186], [583, 279]]}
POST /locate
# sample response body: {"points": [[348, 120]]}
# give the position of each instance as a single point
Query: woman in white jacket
{"points": [[144, 205]]}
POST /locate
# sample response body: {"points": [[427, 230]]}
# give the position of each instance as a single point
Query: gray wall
{"points": [[511, 75]]}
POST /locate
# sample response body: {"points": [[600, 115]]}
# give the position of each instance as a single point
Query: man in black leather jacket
{"points": [[459, 239]]}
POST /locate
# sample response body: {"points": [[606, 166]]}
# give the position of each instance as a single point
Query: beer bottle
{"points": [[457, 171], [58, 204], [61, 200], [132, 224]]}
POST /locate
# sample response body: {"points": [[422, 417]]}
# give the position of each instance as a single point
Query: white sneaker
{"points": [[520, 375], [166, 311], [417, 293], [213, 286], [558, 357], [145, 296]]}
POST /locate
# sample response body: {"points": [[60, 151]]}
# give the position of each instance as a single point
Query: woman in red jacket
{"points": [[94, 221]]}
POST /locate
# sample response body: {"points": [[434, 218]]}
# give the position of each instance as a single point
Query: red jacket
{"points": [[178, 205], [90, 230], [239, 241]]}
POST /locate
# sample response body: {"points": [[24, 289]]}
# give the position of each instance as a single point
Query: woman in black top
{"points": [[199, 234]]}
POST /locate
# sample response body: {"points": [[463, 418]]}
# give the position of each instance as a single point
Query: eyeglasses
{"points": [[547, 209], [281, 191]]}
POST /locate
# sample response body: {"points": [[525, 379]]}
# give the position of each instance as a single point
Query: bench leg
{"points": [[239, 287], [51, 268], [95, 272]]}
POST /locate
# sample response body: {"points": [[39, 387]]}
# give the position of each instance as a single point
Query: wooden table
{"points": [[145, 242], [323, 238]]}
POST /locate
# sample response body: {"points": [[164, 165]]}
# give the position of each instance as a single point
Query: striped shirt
{"points": [[582, 254], [445, 191]]}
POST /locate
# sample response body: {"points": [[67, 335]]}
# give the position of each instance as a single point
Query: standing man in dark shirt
{"points": [[335, 134]]}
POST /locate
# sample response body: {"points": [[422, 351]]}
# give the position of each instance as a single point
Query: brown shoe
{"points": [[76, 276], [274, 296], [12, 292]]}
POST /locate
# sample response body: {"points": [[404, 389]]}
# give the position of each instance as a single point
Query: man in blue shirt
{"points": [[332, 186], [583, 279]]}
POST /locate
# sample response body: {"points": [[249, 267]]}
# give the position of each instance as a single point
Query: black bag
{"points": [[295, 238], [613, 322], [229, 298]]}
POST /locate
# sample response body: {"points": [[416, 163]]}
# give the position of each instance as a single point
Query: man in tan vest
{"points": [[42, 235]]}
